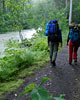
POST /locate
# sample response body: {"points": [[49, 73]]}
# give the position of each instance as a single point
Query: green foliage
{"points": [[37, 93], [28, 89], [39, 44], [19, 58], [79, 6], [16, 16], [61, 97], [16, 60], [43, 81], [18, 11], [76, 11], [43, 13], [9, 87], [26, 42], [6, 24], [40, 94], [12, 43], [24, 14]]}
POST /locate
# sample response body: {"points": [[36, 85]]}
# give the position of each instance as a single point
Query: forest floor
{"points": [[65, 78]]}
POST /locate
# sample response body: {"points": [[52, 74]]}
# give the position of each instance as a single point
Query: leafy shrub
{"points": [[16, 60], [61, 97], [26, 42], [37, 92], [39, 44], [12, 43]]}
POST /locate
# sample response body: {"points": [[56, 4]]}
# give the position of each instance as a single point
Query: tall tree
{"points": [[3, 5], [76, 11], [17, 9], [66, 3], [70, 14]]}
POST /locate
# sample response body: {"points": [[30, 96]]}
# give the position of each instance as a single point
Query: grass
{"points": [[25, 73], [9, 87]]}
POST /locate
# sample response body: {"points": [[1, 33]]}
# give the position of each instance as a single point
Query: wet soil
{"points": [[65, 78]]}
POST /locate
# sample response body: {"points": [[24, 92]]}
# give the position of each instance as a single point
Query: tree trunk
{"points": [[3, 5], [21, 36], [6, 8], [66, 3], [55, 3], [70, 14]]}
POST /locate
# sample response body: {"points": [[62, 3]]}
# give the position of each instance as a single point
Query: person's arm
{"points": [[61, 41]]}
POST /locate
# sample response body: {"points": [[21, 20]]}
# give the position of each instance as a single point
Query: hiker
{"points": [[73, 39], [79, 32], [54, 38]]}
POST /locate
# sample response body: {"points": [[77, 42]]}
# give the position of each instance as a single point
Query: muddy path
{"points": [[65, 78]]}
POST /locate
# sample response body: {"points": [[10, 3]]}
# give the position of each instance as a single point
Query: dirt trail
{"points": [[65, 78]]}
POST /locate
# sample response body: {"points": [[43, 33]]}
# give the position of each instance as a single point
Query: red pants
{"points": [[72, 51]]}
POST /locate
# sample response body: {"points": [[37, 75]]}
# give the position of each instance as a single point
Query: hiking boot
{"points": [[53, 63], [70, 63], [75, 61]]}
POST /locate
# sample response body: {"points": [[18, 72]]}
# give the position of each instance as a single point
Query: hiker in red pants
{"points": [[72, 52], [73, 39]]}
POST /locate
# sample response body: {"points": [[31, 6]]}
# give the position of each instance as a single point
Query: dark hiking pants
{"points": [[53, 51]]}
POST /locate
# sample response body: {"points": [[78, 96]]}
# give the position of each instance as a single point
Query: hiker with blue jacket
{"points": [[54, 38], [73, 39]]}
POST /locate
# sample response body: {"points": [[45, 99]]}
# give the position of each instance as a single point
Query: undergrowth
{"points": [[20, 61]]}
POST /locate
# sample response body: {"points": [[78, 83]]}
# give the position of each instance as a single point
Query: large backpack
{"points": [[51, 28], [74, 35]]}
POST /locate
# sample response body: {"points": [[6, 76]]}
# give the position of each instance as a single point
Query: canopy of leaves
{"points": [[76, 11]]}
